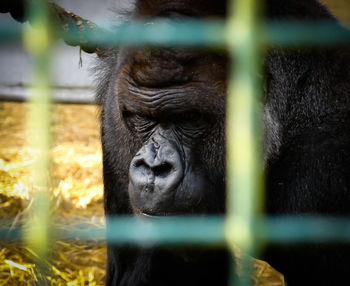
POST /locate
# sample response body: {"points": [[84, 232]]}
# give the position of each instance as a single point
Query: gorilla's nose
{"points": [[156, 167]]}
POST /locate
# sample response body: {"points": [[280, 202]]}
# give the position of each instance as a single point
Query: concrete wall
{"points": [[70, 81]]}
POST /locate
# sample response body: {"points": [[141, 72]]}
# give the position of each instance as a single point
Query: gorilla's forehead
{"points": [[199, 8], [158, 102], [150, 83]]}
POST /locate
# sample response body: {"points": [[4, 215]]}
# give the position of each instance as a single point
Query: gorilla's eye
{"points": [[191, 125], [139, 124], [194, 119], [191, 116]]}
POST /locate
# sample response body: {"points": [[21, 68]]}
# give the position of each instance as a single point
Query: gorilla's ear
{"points": [[74, 30]]}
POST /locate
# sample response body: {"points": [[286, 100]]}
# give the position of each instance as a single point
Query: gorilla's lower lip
{"points": [[146, 215], [155, 216]]}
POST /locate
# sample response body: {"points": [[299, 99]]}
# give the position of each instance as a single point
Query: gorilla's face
{"points": [[171, 101], [164, 123], [163, 139]]}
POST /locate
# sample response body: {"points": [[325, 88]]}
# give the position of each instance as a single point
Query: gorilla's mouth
{"points": [[152, 216], [155, 215]]}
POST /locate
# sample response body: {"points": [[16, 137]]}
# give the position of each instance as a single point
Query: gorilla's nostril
{"points": [[142, 165], [139, 163], [162, 170]]}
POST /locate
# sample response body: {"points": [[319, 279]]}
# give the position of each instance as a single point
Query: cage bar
{"points": [[200, 33], [243, 159], [37, 41]]}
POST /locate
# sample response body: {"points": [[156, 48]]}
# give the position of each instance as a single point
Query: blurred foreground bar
{"points": [[198, 33], [195, 230]]}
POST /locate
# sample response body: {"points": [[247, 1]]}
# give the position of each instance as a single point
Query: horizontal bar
{"points": [[291, 229], [197, 33], [306, 33], [10, 31], [197, 230], [177, 230]]}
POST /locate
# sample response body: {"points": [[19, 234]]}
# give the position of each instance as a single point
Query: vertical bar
{"points": [[37, 41], [244, 174]]}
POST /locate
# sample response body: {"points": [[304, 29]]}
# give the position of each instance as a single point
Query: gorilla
{"points": [[163, 137]]}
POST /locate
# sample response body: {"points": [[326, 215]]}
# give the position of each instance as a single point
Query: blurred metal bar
{"points": [[189, 230], [198, 33], [299, 33], [9, 32], [243, 128], [38, 43]]}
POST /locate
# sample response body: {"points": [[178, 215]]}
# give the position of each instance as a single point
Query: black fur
{"points": [[307, 124], [307, 156]]}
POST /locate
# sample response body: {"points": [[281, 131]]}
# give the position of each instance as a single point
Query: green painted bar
{"points": [[212, 33], [210, 230], [38, 44], [243, 127], [175, 231], [306, 34], [10, 32], [198, 33], [191, 230]]}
